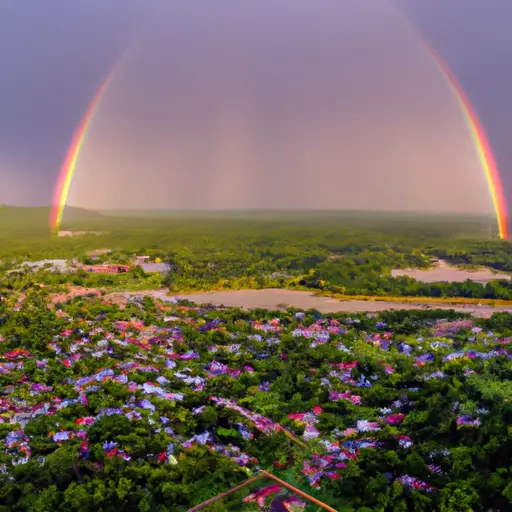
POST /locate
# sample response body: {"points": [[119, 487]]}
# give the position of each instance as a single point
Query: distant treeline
{"points": [[339, 252]]}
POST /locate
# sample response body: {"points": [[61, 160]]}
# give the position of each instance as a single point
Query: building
{"points": [[140, 260]]}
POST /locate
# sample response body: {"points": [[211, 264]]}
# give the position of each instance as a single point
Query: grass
{"points": [[420, 300]]}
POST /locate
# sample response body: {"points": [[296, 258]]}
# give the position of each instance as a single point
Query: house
{"points": [[140, 260]]}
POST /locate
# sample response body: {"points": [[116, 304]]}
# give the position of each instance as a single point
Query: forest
{"points": [[349, 254], [158, 407]]}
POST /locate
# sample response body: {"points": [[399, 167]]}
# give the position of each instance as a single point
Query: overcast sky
{"points": [[269, 103]]}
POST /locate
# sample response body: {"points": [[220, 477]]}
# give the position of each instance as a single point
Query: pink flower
{"points": [[395, 419], [347, 395], [262, 494], [310, 432], [87, 420]]}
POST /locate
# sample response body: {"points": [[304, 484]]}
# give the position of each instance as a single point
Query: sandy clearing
{"points": [[443, 272]]}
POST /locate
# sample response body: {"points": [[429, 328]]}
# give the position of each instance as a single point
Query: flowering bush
{"points": [[159, 407]]}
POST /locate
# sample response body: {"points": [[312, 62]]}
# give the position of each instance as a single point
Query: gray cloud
{"points": [[325, 105], [289, 103]]}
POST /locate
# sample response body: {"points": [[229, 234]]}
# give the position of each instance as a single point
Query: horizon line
{"points": [[257, 210]]}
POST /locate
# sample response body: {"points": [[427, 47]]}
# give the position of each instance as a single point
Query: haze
{"points": [[330, 104]]}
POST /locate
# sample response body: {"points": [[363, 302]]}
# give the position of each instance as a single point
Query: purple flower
{"points": [[61, 436], [246, 434], [265, 386], [405, 348], [146, 404], [468, 421], [109, 445], [364, 382], [311, 432], [414, 483], [367, 426], [202, 438], [425, 358]]}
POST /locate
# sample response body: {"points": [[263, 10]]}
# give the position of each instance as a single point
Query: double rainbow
{"points": [[475, 128]]}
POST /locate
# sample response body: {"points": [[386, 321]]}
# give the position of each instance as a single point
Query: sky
{"points": [[273, 104]]}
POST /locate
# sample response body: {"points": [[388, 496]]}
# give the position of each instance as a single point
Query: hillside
{"points": [[73, 214], [37, 218]]}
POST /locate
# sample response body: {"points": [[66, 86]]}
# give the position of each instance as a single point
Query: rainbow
{"points": [[481, 143], [475, 128], [67, 169]]}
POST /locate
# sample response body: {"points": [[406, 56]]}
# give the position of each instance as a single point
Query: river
{"points": [[273, 298]]}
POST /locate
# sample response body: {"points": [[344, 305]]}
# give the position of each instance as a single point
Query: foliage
{"points": [[436, 384], [346, 253]]}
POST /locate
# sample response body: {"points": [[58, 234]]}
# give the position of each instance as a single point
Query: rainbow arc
{"points": [[68, 167], [481, 143], [475, 128]]}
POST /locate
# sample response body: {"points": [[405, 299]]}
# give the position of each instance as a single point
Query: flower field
{"points": [[151, 406]]}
